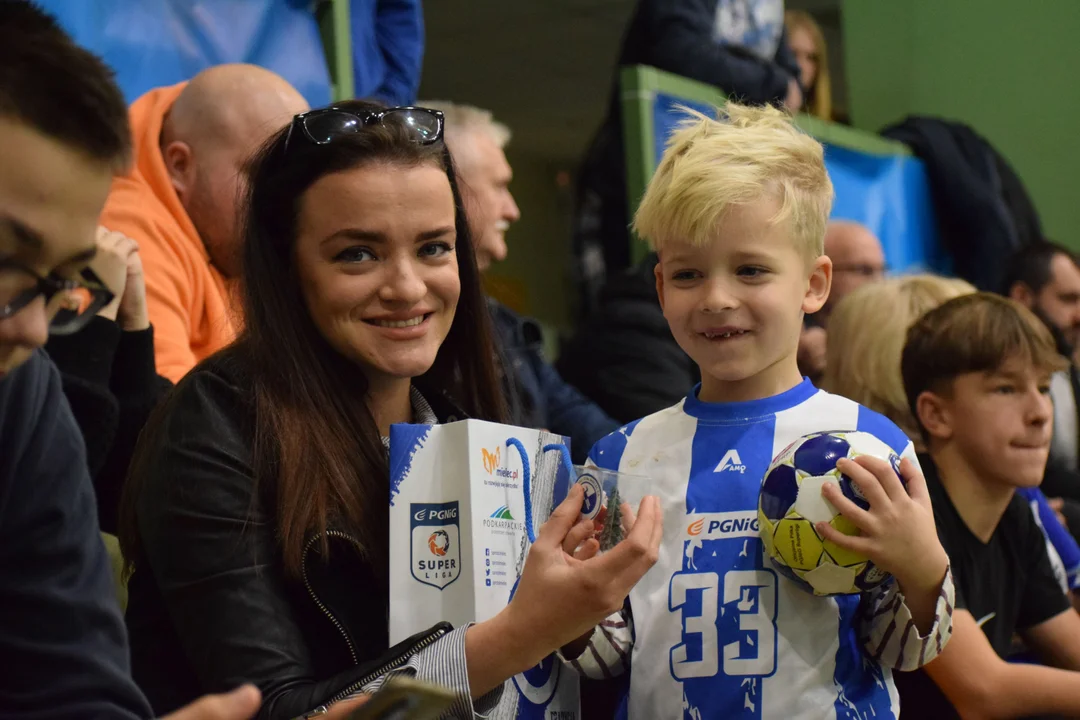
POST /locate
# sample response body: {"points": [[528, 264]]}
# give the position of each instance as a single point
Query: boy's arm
{"points": [[890, 624], [605, 653], [980, 684], [1057, 640]]}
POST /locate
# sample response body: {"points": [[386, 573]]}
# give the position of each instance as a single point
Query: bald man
{"points": [[179, 202], [857, 258]]}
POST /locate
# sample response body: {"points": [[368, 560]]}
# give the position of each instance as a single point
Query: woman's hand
{"points": [[565, 590]]}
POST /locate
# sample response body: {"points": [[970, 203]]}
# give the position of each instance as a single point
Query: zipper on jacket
{"points": [[389, 666], [315, 598]]}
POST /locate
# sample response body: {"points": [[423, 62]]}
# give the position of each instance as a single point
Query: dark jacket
{"points": [[209, 604], [63, 647], [111, 381], [676, 36], [625, 355], [983, 212], [538, 396]]}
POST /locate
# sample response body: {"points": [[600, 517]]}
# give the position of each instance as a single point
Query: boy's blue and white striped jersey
{"points": [[714, 631]]}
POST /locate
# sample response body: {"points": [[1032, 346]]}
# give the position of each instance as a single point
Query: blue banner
{"points": [[152, 43], [890, 194]]}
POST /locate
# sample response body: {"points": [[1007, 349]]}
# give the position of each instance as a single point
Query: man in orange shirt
{"points": [[179, 201]]}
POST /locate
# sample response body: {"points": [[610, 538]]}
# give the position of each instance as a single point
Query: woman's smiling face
{"points": [[377, 267]]}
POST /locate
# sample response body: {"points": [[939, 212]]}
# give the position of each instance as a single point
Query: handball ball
{"points": [[791, 504]]}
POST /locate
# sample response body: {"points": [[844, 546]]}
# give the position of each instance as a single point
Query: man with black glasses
{"points": [[858, 258], [63, 647]]}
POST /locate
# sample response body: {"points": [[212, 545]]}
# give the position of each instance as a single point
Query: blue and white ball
{"points": [[790, 504]]}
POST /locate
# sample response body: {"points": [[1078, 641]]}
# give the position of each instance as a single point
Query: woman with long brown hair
{"points": [[256, 517]]}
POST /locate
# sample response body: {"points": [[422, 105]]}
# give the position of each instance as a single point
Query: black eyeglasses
{"points": [[71, 303], [863, 269], [325, 125]]}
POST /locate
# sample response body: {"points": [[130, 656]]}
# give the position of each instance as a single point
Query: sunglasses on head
{"points": [[323, 126]]}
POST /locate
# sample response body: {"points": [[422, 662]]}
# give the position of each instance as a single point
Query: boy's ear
{"points": [[934, 415], [658, 271], [820, 283]]}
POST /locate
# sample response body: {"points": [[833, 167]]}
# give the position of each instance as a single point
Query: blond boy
{"points": [[737, 213]]}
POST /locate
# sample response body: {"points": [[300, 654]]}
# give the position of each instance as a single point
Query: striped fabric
{"points": [[443, 663], [890, 636], [422, 413]]}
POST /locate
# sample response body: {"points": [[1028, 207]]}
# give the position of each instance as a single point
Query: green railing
{"points": [[639, 87], [333, 19]]}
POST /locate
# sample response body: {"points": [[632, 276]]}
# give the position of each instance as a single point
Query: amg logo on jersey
{"points": [[731, 462]]}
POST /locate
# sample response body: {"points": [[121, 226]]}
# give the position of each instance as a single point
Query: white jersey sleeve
{"points": [[608, 651], [889, 634]]}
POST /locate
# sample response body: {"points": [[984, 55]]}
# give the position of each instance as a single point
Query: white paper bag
{"points": [[459, 536]]}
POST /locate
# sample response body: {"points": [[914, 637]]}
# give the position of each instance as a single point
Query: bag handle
{"points": [[526, 477]]}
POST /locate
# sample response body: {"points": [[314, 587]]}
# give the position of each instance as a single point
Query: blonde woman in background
{"points": [[867, 330], [808, 45]]}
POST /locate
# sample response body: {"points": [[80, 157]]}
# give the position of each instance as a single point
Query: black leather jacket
{"points": [[209, 604]]}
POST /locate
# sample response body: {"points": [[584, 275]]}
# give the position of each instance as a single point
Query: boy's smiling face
{"points": [[736, 305]]}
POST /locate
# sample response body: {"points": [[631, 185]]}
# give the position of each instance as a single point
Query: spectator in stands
{"points": [[976, 372], [538, 395], [388, 49], [178, 202], [869, 328], [626, 360], [808, 46], [1045, 278], [63, 648], [108, 374], [739, 46], [858, 258], [255, 515]]}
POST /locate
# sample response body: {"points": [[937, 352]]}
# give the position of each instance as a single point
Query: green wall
{"points": [[1007, 69], [536, 276]]}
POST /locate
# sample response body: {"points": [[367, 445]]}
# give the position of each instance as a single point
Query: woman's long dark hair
{"points": [[317, 455]]}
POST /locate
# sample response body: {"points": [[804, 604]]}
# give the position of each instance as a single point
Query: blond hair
{"points": [[867, 330], [821, 102], [461, 120], [746, 154]]}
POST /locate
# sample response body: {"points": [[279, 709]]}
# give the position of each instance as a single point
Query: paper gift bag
{"points": [[465, 498]]}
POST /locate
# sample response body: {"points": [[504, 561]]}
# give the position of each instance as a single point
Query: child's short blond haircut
{"points": [[748, 153]]}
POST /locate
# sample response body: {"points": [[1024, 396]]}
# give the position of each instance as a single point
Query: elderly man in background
{"points": [[857, 258], [538, 396], [179, 201]]}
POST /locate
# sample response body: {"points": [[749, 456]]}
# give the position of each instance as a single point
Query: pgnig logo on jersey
{"points": [[713, 526], [435, 555], [594, 495]]}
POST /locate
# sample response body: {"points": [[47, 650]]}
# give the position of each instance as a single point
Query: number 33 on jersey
{"points": [[716, 632]]}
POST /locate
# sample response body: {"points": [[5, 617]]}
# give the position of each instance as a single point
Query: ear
{"points": [[658, 271], [934, 415], [817, 291], [1022, 294], [180, 164]]}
